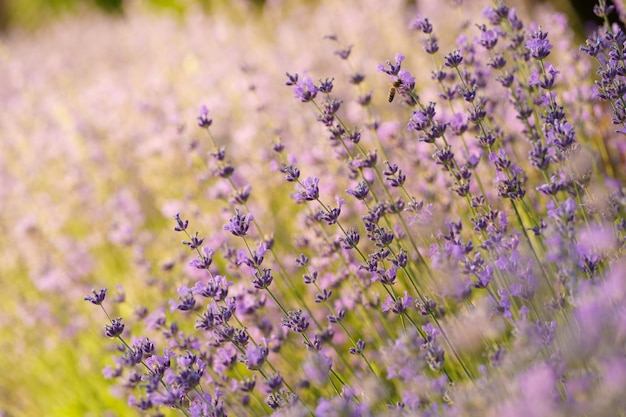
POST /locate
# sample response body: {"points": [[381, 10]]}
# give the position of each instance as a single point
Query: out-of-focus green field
{"points": [[96, 130]]}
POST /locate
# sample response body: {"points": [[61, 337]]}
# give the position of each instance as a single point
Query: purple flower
{"points": [[295, 321], [419, 121], [256, 355], [533, 80], [203, 118], [238, 225], [498, 62], [422, 24], [359, 348], [351, 240], [495, 16], [310, 278], [538, 45], [394, 175], [216, 288], [291, 173], [186, 300], [142, 403], [302, 260], [98, 296], [394, 69], [457, 124], [562, 135], [344, 53], [112, 373], [274, 382], [545, 332], [453, 59], [189, 377], [158, 364], [205, 405], [326, 86], [504, 304], [400, 305], [291, 79], [484, 277], [386, 277], [194, 241], [407, 81], [308, 192], [316, 367], [357, 78], [360, 192], [205, 260], [331, 216], [305, 89], [488, 39], [262, 279], [115, 328], [182, 225], [588, 261], [431, 332], [565, 212]]}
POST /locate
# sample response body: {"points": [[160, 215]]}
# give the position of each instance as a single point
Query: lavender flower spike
{"points": [[239, 224], [203, 117], [309, 191], [538, 45], [98, 296], [305, 90]]}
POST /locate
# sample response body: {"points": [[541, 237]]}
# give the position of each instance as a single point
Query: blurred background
{"points": [[31, 14], [98, 102]]}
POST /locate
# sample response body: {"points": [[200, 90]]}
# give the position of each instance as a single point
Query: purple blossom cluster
{"points": [[460, 252]]}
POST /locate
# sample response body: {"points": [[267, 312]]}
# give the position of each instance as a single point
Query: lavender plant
{"points": [[470, 263]]}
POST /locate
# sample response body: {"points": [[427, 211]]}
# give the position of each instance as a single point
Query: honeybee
{"points": [[392, 91]]}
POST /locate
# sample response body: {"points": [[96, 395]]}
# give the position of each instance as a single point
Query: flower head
{"points": [[309, 192], [305, 89], [239, 224], [98, 296], [203, 117], [538, 45], [394, 68]]}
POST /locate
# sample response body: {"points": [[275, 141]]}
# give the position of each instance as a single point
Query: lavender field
{"points": [[355, 208]]}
